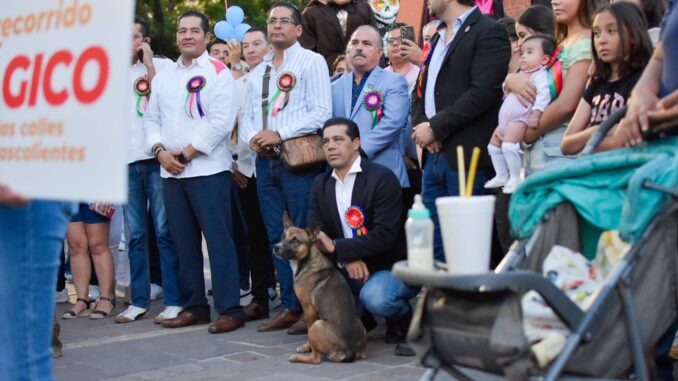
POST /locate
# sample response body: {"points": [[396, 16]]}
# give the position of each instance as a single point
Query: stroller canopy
{"points": [[606, 189]]}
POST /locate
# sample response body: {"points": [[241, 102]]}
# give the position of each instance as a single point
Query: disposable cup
{"points": [[466, 229]]}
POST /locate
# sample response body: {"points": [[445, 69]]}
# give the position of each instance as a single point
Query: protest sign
{"points": [[63, 111]]}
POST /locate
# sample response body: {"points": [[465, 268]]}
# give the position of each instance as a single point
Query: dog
{"points": [[334, 331]]}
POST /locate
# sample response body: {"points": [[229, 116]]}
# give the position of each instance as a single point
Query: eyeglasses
{"points": [[283, 21], [394, 40]]}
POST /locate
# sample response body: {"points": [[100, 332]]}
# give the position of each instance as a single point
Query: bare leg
{"points": [[80, 262], [515, 132], [495, 140], [97, 240]]}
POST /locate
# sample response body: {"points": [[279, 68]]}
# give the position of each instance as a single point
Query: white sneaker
{"points": [[496, 182], [511, 186], [170, 312], [245, 297], [273, 299], [156, 291], [94, 292], [132, 313], [62, 296]]}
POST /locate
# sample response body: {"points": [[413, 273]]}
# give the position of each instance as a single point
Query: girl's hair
{"points": [[539, 18], [510, 25], [585, 13], [630, 23], [653, 11], [335, 63]]}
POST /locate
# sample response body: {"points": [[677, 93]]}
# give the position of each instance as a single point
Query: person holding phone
{"points": [[145, 193]]}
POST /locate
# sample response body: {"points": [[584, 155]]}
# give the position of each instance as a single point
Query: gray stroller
{"points": [[476, 321]]}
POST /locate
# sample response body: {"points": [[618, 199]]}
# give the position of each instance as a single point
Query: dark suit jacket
{"points": [[322, 32], [377, 192], [468, 88]]}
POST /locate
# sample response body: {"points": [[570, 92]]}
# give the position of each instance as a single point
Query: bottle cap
{"points": [[418, 210]]}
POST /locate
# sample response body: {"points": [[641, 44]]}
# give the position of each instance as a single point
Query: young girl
{"points": [[573, 30], [514, 118], [622, 48]]}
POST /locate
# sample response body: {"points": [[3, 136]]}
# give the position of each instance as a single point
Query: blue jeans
{"points": [[281, 190], [441, 181], [144, 192], [203, 205], [387, 296], [30, 240]]}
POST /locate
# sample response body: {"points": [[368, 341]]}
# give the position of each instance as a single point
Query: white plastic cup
{"points": [[466, 229]]}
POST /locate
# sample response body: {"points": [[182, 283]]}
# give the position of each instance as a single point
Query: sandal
{"points": [[99, 314], [71, 314]]}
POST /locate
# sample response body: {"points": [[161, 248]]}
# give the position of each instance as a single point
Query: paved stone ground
{"points": [[103, 350]]}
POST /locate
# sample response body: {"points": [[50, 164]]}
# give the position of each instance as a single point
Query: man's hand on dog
{"points": [[358, 270], [325, 243]]}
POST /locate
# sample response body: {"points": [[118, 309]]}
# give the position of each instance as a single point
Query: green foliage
{"points": [[162, 16]]}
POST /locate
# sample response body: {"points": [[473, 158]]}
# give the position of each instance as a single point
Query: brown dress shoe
{"points": [[298, 328], [283, 320], [185, 319], [255, 311], [226, 323]]}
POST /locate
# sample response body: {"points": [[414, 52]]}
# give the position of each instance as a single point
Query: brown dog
{"points": [[334, 332]]}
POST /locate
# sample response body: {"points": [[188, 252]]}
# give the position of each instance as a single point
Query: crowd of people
{"points": [[212, 135]]}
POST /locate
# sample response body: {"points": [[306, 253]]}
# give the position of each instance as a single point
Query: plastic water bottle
{"points": [[419, 231]]}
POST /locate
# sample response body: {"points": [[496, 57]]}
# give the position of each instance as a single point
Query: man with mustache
{"points": [[376, 99]]}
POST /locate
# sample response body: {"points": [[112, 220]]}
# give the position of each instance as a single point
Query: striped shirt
{"points": [[309, 103]]}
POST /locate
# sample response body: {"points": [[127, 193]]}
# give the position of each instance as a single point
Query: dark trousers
{"points": [[260, 261], [203, 205]]}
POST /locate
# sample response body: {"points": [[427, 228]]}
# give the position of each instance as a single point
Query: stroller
{"points": [[476, 321]]}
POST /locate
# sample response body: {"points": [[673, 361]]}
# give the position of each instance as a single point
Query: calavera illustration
{"points": [[385, 11]]}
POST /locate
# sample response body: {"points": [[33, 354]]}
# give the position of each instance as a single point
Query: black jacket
{"points": [[377, 192], [468, 88]]}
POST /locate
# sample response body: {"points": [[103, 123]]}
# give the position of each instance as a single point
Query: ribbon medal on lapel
{"points": [[355, 219], [194, 86], [374, 102], [286, 83], [142, 88]]}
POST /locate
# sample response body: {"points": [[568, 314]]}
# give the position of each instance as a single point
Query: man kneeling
{"points": [[359, 209]]}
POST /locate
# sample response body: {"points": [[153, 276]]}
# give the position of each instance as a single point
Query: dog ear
{"points": [[313, 233], [287, 221]]}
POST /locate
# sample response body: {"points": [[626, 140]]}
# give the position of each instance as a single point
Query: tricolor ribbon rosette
{"points": [[374, 102], [555, 73], [194, 86], [286, 82], [355, 219], [142, 88]]}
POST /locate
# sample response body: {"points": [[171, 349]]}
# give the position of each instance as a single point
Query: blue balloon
{"points": [[235, 15], [240, 31], [224, 30]]}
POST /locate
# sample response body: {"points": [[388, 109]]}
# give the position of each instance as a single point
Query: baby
{"points": [[514, 118]]}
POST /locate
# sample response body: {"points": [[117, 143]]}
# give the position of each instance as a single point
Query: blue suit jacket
{"points": [[381, 143]]}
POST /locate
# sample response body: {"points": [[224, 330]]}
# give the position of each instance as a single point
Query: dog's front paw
{"points": [[306, 348]]}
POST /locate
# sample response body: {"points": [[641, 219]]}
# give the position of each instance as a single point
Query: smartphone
{"points": [[407, 32]]}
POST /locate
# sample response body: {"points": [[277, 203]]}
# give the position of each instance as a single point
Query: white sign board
{"points": [[63, 107]]}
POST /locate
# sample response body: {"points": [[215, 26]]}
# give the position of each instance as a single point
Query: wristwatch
{"points": [[237, 67], [182, 159]]}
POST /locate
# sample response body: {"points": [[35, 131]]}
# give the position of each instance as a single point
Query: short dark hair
{"points": [[352, 129], [204, 20], [539, 18], [468, 3], [401, 25], [143, 24], [216, 41], [630, 17], [548, 42], [296, 14], [260, 30], [510, 25]]}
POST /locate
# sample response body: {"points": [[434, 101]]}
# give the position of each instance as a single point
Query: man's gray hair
{"points": [[374, 30]]}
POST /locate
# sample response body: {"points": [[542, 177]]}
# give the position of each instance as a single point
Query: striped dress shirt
{"points": [[309, 103]]}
